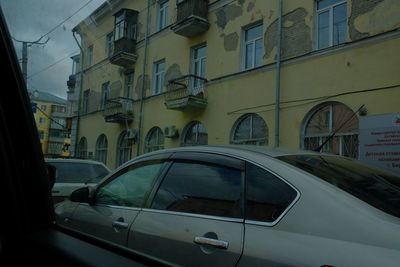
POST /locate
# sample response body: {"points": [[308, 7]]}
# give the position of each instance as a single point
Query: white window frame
{"points": [[253, 42], [89, 57], [197, 86], [330, 10], [105, 91], [158, 77], [109, 44], [162, 22], [85, 102], [129, 79]]}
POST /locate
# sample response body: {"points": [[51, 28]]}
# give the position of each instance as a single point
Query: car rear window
{"points": [[71, 172], [374, 186]]}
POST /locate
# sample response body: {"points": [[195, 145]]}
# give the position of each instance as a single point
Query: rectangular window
{"points": [[199, 188], [125, 26], [42, 120], [89, 57], [109, 44], [129, 84], [162, 15], [331, 23], [198, 67], [253, 45], [267, 196], [159, 72], [85, 105], [104, 95]]}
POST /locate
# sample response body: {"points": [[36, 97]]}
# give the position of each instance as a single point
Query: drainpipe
{"points": [[278, 75], [80, 91], [146, 43]]}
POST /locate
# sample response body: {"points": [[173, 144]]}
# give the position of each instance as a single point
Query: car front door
{"points": [[195, 215], [116, 203]]}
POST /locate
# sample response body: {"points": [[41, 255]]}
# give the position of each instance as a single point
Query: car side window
{"points": [[201, 188], [267, 196], [130, 188]]}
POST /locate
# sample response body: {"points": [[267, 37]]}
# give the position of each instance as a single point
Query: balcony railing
{"points": [[118, 110], [191, 18], [186, 93]]}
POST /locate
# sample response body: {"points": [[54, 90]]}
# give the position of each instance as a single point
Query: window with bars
{"points": [[154, 140], [250, 129], [327, 119], [101, 149], [195, 133]]}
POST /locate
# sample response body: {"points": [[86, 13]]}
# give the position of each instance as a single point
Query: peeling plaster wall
{"points": [[231, 41], [373, 17], [296, 35], [173, 72], [228, 13]]}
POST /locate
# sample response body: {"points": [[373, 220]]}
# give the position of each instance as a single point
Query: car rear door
{"points": [[117, 202], [195, 214]]}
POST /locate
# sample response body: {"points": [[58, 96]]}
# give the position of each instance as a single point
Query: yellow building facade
{"points": [[161, 74], [50, 117]]}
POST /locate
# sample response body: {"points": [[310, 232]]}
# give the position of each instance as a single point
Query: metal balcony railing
{"points": [[186, 92], [188, 85], [119, 109]]}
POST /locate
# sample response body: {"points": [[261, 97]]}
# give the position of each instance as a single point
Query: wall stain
{"points": [[231, 41], [296, 35], [138, 87], [228, 13], [359, 7], [173, 72]]}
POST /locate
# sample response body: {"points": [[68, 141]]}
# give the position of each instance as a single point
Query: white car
{"points": [[72, 174]]}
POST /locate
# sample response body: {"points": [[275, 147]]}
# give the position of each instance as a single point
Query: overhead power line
{"points": [[65, 20]]}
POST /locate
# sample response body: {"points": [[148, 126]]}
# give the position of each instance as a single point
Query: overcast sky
{"points": [[49, 65]]}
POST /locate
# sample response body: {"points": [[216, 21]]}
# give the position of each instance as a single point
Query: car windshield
{"points": [[378, 188], [72, 172]]}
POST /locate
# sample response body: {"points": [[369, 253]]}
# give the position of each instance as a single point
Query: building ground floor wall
{"points": [[321, 93]]}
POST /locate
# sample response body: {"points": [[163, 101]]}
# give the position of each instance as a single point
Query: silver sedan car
{"points": [[242, 206]]}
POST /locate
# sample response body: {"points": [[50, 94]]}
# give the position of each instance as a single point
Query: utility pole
{"points": [[25, 45], [25, 61]]}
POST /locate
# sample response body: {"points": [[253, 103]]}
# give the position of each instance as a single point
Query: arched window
{"points": [[323, 120], [101, 149], [250, 129], [82, 148], [124, 148], [195, 134], [154, 140]]}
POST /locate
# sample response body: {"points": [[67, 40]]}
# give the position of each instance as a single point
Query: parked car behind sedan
{"points": [[235, 206], [72, 174]]}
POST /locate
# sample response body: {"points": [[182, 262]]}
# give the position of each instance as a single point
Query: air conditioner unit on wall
{"points": [[170, 131]]}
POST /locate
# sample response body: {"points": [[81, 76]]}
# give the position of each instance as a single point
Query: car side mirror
{"points": [[51, 174], [81, 195]]}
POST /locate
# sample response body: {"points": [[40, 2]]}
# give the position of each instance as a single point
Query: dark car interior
{"points": [[28, 232]]}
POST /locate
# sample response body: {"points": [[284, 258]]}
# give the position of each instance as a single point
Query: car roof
{"points": [[238, 150], [75, 161]]}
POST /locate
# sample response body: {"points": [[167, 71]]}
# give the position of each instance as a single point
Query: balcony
{"points": [[124, 53], [118, 110], [125, 26], [186, 93], [71, 82], [191, 18]]}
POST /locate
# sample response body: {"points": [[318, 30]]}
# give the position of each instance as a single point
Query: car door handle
{"points": [[200, 240], [120, 225]]}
